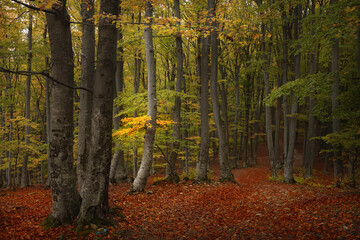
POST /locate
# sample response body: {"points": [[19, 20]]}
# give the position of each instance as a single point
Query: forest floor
{"points": [[255, 208]]}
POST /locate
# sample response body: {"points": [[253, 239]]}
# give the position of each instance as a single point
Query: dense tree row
{"points": [[178, 83]]}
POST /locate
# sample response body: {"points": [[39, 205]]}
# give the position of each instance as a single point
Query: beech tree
{"points": [[147, 158], [226, 174], [87, 81], [94, 191], [171, 174], [297, 55], [24, 169], [203, 159], [65, 198]]}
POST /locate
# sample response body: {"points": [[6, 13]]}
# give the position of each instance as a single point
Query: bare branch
{"points": [[35, 8], [43, 73]]}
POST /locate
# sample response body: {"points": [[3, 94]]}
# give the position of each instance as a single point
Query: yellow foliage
{"points": [[137, 124]]}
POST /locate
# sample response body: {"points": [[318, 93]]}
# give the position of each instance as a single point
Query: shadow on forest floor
{"points": [[256, 208]]}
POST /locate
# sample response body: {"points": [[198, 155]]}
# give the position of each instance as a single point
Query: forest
{"points": [[179, 119]]}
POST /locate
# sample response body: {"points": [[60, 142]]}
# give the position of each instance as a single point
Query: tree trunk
{"points": [[225, 174], [277, 129], [247, 116], [117, 168], [171, 174], [47, 110], [147, 158], [65, 198], [310, 143], [94, 191], [236, 117], [87, 81], [268, 130], [338, 168], [258, 111], [137, 73], [202, 161], [289, 160], [285, 80], [24, 170]]}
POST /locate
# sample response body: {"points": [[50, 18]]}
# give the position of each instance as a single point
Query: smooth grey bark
{"points": [[203, 159], [87, 81], [258, 111], [24, 170], [247, 103], [268, 130], [117, 168], [224, 110], [338, 166], [137, 75], [277, 129], [285, 33], [94, 191], [225, 170], [310, 143], [289, 160], [235, 154], [47, 109], [171, 174], [10, 177], [147, 158], [65, 198], [8, 108]]}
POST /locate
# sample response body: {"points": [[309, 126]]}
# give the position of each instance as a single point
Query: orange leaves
{"points": [[253, 209]]}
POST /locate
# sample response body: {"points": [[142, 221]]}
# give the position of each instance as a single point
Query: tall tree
{"points": [[285, 66], [137, 76], [87, 81], [310, 143], [266, 54], [147, 158], [289, 160], [226, 174], [338, 168], [65, 198], [24, 170], [117, 163], [94, 191], [171, 174], [203, 159]]}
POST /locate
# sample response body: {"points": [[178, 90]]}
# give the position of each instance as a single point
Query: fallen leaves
{"points": [[254, 208]]}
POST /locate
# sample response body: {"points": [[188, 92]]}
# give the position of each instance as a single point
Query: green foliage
{"points": [[318, 84], [279, 178]]}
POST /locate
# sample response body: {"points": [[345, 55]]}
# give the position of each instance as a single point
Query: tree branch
{"points": [[35, 8], [165, 158], [46, 75]]}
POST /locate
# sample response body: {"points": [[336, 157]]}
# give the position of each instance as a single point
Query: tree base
{"points": [[51, 222], [174, 178], [201, 181], [94, 215], [290, 181], [227, 179]]}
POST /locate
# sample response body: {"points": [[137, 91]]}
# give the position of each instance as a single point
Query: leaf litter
{"points": [[255, 208]]}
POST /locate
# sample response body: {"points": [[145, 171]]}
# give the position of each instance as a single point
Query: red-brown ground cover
{"points": [[255, 208]]}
